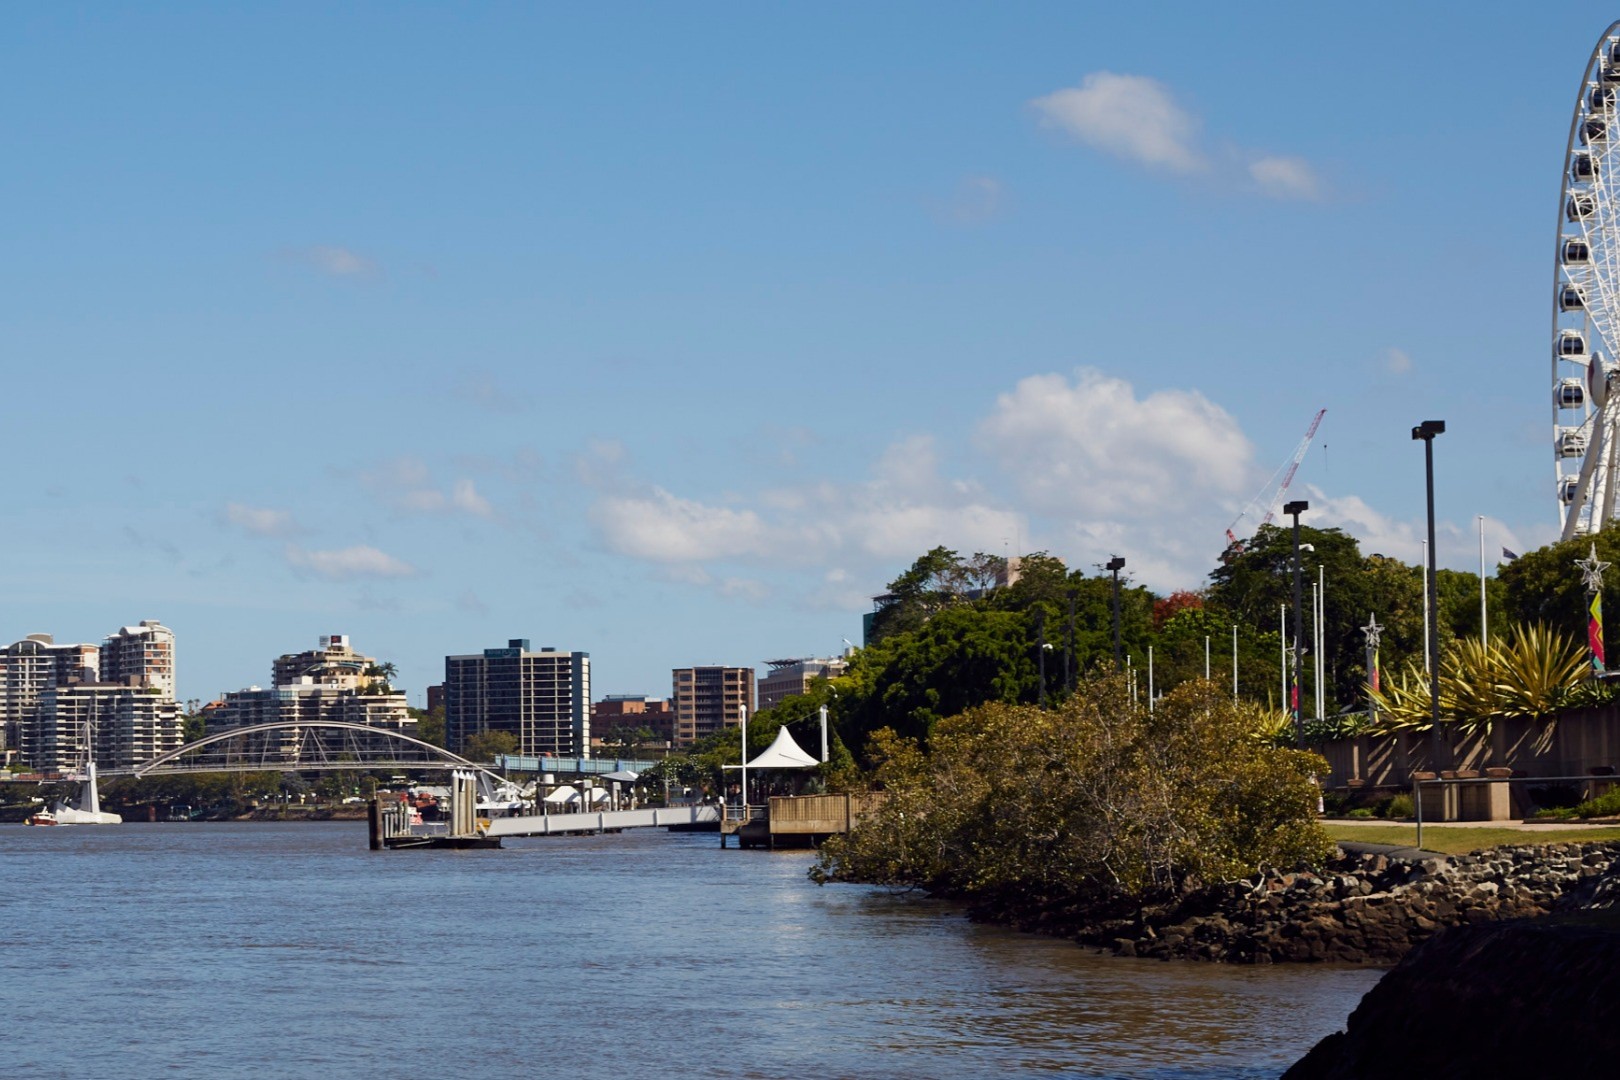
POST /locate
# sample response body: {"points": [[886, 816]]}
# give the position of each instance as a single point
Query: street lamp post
{"points": [[1116, 564], [1426, 431], [1293, 510]]}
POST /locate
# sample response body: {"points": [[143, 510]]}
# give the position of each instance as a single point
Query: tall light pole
{"points": [[1293, 510], [1427, 431], [1116, 564]]}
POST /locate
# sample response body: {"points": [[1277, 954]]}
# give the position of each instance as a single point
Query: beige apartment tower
{"points": [[707, 699]]}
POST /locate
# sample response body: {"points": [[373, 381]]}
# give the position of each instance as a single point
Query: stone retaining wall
{"points": [[1364, 909]]}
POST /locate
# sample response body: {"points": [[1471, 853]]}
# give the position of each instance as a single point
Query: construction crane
{"points": [[1271, 496]]}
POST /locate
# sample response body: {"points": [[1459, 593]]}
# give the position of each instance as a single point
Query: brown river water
{"points": [[265, 949]]}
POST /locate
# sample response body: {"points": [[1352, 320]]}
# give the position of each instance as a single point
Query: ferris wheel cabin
{"points": [[1576, 253], [1570, 298], [1571, 442], [1580, 207], [1569, 394], [1566, 489], [1571, 345]]}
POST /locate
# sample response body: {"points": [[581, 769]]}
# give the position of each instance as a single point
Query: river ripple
{"points": [[222, 950]]}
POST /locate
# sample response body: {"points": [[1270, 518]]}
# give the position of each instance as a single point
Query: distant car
{"points": [[352, 799]]}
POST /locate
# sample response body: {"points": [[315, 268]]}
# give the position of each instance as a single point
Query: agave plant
{"points": [[1540, 667], [1268, 724], [1471, 684], [1403, 702]]}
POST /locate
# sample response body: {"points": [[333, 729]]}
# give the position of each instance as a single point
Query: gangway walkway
{"points": [[602, 821]]}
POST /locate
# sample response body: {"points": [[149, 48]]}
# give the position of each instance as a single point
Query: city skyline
{"points": [[623, 328]]}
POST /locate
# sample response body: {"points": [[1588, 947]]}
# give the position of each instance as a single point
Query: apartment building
{"points": [[121, 725], [30, 667], [333, 663], [540, 696], [140, 656], [710, 698], [794, 676], [63, 703]]}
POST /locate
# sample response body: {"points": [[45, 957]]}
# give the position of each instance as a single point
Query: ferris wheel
{"points": [[1586, 301]]}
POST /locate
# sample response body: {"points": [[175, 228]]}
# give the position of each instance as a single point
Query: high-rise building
{"points": [[122, 725], [633, 711], [541, 697], [710, 698], [30, 667], [140, 656], [330, 683], [334, 663], [794, 676]]}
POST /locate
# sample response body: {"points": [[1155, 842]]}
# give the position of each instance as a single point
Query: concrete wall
{"points": [[1575, 745]]}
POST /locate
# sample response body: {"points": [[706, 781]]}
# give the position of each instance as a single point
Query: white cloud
{"points": [[1081, 465], [903, 510], [1286, 178], [1395, 361], [1091, 448], [976, 200], [1129, 116], [407, 484], [661, 527], [338, 262], [480, 388], [1138, 119], [260, 521], [341, 564]]}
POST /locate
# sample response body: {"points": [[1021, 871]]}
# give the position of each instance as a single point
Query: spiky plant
{"points": [[1471, 682], [1539, 670], [1403, 702]]}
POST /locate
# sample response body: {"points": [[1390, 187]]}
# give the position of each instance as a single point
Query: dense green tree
{"points": [[1544, 586], [937, 580], [1093, 800], [485, 745], [429, 724], [961, 657]]}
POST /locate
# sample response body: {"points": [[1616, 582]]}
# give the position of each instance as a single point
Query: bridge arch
{"points": [[437, 756]]}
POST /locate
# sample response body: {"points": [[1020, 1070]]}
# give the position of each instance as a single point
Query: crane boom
{"points": [[1293, 466], [1270, 497]]}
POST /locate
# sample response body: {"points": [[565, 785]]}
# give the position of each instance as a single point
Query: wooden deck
{"points": [[799, 820]]}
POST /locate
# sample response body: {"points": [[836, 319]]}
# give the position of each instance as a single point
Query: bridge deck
{"points": [[556, 824]]}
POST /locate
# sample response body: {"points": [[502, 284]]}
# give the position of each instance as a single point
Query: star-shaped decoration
{"points": [[1372, 630], [1592, 570]]}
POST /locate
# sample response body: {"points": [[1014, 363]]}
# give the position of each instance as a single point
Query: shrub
{"points": [[1097, 797], [1361, 813], [1399, 807], [1605, 805]]}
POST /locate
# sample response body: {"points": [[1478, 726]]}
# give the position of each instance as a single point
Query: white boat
{"points": [[88, 812]]}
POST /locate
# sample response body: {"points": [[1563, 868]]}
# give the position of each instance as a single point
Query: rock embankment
{"points": [[1518, 999], [1361, 909]]}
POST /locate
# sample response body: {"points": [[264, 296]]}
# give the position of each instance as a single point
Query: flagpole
{"points": [[1424, 547], [1282, 656], [1484, 626]]}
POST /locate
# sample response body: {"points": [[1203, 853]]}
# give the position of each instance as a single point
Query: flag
{"points": [[1594, 633], [1509, 555]]}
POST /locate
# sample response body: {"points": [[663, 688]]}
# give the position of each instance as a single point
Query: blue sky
{"points": [[671, 333]]}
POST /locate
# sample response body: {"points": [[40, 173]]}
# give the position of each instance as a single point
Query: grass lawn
{"points": [[1453, 841]]}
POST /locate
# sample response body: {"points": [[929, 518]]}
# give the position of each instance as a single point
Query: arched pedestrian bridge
{"points": [[292, 746]]}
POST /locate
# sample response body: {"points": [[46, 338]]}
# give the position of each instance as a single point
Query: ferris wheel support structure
{"points": [[1586, 301]]}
